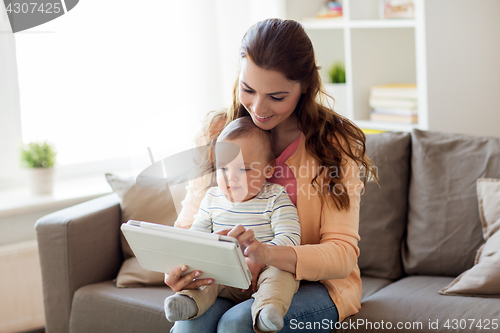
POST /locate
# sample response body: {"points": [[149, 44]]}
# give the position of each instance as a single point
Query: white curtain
{"points": [[10, 119]]}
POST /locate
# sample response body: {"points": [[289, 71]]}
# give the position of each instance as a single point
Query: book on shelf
{"points": [[372, 131], [393, 118], [397, 112], [393, 103], [394, 91]]}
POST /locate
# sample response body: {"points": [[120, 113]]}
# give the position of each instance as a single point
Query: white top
{"points": [[271, 215]]}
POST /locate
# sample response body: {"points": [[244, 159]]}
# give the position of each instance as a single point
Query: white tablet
{"points": [[162, 248]]}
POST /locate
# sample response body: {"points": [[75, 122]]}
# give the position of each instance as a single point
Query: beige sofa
{"points": [[419, 230]]}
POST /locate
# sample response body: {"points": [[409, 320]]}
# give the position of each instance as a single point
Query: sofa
{"points": [[424, 242]]}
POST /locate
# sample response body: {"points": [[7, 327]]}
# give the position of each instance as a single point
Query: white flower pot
{"points": [[41, 180], [339, 93]]}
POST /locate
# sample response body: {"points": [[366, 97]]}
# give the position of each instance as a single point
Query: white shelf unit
{"points": [[450, 50], [375, 51]]}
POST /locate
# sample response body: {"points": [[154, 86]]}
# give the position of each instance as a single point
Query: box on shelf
{"points": [[397, 9], [330, 10]]}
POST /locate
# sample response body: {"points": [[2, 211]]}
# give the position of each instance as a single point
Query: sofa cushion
{"points": [[371, 285], [143, 204], [415, 302], [131, 274], [383, 210], [444, 230], [102, 307], [484, 278]]}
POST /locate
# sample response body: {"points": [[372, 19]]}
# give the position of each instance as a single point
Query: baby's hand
{"points": [[251, 247], [255, 270]]}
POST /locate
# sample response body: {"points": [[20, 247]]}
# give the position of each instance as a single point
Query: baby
{"points": [[243, 196]]}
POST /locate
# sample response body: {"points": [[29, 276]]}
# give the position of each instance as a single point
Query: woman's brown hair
{"points": [[283, 46]]}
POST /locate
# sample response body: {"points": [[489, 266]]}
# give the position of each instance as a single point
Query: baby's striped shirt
{"points": [[271, 215]]}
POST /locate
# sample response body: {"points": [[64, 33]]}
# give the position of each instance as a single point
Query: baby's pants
{"points": [[274, 287]]}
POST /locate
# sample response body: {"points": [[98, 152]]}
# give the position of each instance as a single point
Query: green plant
{"points": [[337, 72], [38, 155]]}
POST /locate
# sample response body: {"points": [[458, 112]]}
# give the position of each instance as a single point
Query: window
{"points": [[110, 78], [103, 75]]}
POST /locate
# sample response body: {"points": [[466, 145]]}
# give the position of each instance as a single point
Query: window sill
{"points": [[67, 192]]}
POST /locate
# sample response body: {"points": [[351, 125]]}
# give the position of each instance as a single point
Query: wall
{"points": [[463, 66], [21, 307]]}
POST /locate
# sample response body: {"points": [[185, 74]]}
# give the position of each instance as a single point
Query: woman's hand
{"points": [[177, 281], [255, 270]]}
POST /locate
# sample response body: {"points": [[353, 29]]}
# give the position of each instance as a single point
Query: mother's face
{"points": [[268, 96]]}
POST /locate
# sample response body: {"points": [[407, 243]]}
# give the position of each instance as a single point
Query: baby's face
{"points": [[243, 178]]}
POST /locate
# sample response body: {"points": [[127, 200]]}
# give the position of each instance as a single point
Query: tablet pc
{"points": [[162, 248]]}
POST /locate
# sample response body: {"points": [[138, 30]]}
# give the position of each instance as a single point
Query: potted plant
{"points": [[39, 158], [336, 73], [336, 87]]}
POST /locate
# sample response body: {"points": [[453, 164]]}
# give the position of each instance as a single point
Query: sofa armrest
{"points": [[79, 245]]}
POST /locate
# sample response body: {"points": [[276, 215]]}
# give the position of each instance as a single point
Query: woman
{"points": [[320, 154]]}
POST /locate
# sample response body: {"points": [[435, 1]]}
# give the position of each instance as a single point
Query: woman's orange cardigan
{"points": [[329, 247]]}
